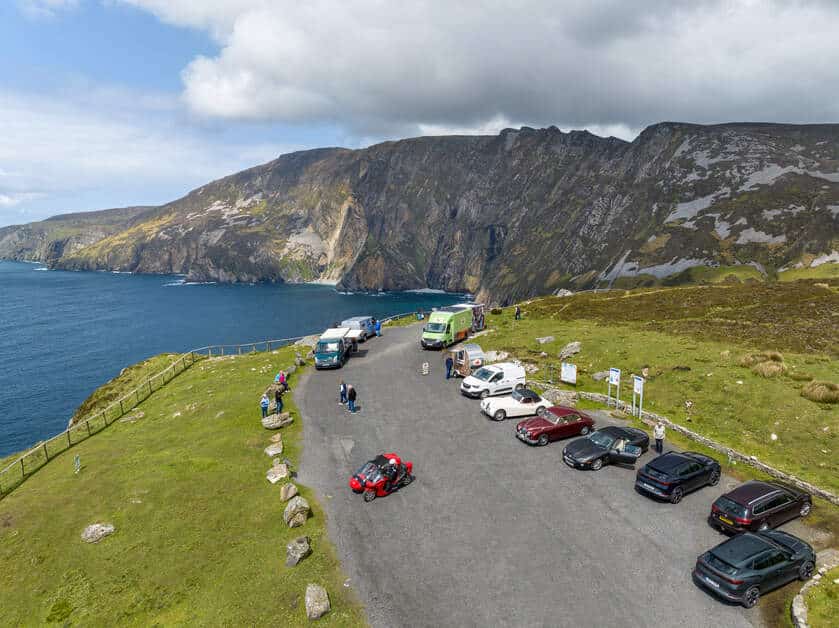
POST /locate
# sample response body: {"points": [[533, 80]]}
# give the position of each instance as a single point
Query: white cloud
{"points": [[380, 68], [71, 153], [45, 8]]}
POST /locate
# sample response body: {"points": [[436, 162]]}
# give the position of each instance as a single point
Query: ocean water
{"points": [[63, 334]]}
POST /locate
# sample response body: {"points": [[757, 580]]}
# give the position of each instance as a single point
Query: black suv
{"points": [[673, 474], [759, 506], [747, 565]]}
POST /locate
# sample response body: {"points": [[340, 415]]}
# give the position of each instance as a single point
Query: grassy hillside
{"points": [[693, 340], [199, 536]]}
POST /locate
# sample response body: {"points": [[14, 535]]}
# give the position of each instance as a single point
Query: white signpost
{"points": [[614, 380], [568, 373], [637, 390]]}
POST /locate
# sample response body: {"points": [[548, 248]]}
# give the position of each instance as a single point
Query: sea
{"points": [[63, 334]]}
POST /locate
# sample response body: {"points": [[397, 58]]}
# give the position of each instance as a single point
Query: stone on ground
{"points": [[274, 449], [296, 550], [562, 292], [276, 421], [545, 339], [278, 472], [276, 438], [572, 348], [96, 532], [317, 601], [296, 512], [599, 376], [496, 356], [288, 491]]}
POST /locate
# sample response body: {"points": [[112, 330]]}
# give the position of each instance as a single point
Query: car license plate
{"points": [[727, 520], [712, 583], [568, 461], [647, 486]]}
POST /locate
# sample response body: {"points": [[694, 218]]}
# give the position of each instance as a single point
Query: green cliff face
{"points": [[509, 216]]}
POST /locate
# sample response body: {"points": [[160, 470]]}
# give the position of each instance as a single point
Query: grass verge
{"points": [[199, 535], [823, 601]]}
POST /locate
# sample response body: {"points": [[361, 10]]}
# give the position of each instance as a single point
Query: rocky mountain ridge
{"points": [[522, 213]]}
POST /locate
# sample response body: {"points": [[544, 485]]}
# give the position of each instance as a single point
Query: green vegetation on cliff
{"points": [[200, 537]]}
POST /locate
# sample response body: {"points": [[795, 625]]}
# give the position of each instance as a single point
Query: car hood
{"points": [[536, 423], [473, 381], [583, 448]]}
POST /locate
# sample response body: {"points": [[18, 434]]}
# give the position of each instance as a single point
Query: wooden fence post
{"points": [[69, 442], [150, 390], [121, 409], [22, 470], [87, 423], [240, 349], [46, 453]]}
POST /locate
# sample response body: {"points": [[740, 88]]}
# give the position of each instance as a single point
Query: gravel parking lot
{"points": [[493, 532]]}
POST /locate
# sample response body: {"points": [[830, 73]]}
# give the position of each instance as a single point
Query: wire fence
{"points": [[14, 474]]}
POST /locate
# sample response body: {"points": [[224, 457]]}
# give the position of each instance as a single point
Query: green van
{"points": [[448, 325]]}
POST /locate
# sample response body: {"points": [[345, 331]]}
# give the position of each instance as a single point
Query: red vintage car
{"points": [[381, 476], [558, 422]]}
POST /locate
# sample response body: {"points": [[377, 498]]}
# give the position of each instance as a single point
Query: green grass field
{"points": [[199, 536], [823, 601]]}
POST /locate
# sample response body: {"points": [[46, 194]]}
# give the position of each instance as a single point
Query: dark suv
{"points": [[759, 506], [673, 474], [744, 566]]}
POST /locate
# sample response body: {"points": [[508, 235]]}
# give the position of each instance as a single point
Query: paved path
{"points": [[492, 532]]}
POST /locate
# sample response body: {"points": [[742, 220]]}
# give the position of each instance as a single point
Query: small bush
{"points": [[751, 359], [822, 392], [801, 377], [496, 311], [769, 368]]}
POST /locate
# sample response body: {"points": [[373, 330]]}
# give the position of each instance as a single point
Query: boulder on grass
{"points": [[276, 438], [572, 348], [297, 550], [296, 512], [599, 376], [545, 339], [288, 491], [278, 472], [276, 421], [274, 449], [317, 601], [95, 532]]}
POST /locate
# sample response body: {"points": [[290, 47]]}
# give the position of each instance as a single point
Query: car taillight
{"points": [[715, 508], [742, 521], [731, 580]]}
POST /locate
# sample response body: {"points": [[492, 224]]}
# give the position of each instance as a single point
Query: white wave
{"points": [[177, 282], [121, 272], [427, 291], [200, 283], [41, 268]]}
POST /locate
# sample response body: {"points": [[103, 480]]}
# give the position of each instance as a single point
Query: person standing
{"points": [[518, 313], [449, 366], [351, 396], [264, 403], [278, 398], [342, 392], [658, 434], [377, 324]]}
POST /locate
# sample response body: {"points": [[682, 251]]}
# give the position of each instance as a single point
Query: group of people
{"points": [[347, 395], [281, 383]]}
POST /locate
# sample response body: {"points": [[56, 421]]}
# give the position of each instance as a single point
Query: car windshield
{"points": [[604, 440], [435, 328], [719, 564], [522, 396], [327, 347], [370, 472], [550, 416], [730, 507], [483, 374]]}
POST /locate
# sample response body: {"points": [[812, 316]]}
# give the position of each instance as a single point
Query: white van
{"points": [[364, 323], [494, 379]]}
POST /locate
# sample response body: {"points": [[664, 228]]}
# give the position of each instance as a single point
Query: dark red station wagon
{"points": [[558, 422], [758, 506]]}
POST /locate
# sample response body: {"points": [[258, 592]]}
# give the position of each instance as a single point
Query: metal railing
{"points": [[14, 474]]}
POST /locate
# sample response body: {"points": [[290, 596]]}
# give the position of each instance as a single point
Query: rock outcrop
{"points": [[296, 550], [287, 491], [296, 512], [96, 532], [276, 421], [526, 212]]}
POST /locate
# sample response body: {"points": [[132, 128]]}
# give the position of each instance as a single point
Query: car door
{"points": [[771, 568], [623, 452], [570, 425], [495, 386], [503, 382], [692, 476], [778, 509], [524, 407]]}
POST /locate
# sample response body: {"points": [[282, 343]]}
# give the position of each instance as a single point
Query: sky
{"points": [[110, 103]]}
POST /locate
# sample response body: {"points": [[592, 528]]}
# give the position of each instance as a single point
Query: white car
{"points": [[495, 379], [523, 402]]}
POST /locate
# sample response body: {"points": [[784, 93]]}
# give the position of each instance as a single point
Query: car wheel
{"points": [[763, 527], [714, 479], [484, 394], [369, 496], [540, 411], [805, 572], [597, 464], [543, 440], [805, 509], [407, 479], [584, 431], [499, 415], [751, 597], [676, 495]]}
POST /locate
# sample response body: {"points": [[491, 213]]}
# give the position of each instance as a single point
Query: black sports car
{"points": [[752, 563], [606, 445], [673, 474]]}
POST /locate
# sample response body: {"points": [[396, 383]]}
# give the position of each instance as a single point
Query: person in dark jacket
{"points": [[518, 313], [449, 366], [351, 396], [278, 398]]}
